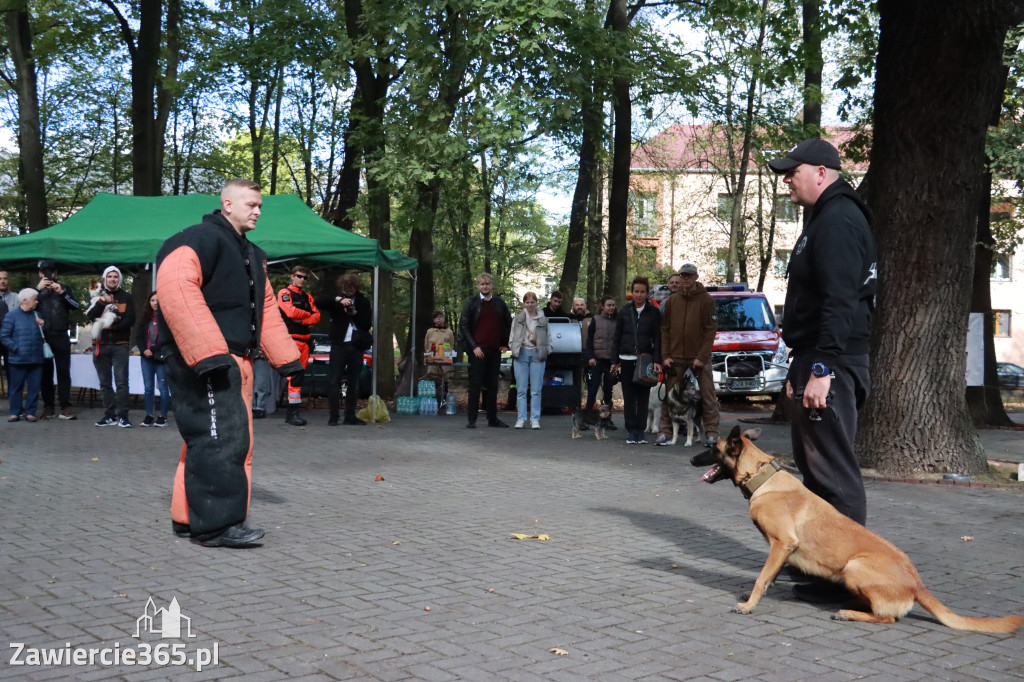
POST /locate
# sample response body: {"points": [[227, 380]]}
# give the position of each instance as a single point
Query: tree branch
{"points": [[126, 30]]}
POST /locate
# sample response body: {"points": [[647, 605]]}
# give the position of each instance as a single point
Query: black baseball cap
{"points": [[815, 151], [45, 265]]}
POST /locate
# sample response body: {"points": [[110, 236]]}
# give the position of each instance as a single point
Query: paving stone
{"points": [[644, 564]]}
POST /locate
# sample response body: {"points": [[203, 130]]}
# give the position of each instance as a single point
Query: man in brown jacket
{"points": [[688, 326]]}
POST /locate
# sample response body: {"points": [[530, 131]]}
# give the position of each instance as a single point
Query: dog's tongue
{"points": [[711, 473]]}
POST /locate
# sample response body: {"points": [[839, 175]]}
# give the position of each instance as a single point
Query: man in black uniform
{"points": [[826, 324]]}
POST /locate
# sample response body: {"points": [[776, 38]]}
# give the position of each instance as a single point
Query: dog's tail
{"points": [[1004, 625]]}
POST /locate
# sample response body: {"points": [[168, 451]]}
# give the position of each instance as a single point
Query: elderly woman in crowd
{"points": [[530, 346], [22, 334]]}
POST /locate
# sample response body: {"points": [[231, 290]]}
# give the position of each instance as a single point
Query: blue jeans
{"points": [[27, 377], [529, 377], [154, 369], [261, 383]]}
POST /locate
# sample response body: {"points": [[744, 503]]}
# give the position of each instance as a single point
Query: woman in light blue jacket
{"points": [[530, 346]]}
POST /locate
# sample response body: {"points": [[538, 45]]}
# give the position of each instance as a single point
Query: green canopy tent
{"points": [[117, 228], [124, 229]]}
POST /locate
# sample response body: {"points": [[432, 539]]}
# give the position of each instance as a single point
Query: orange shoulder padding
{"points": [[196, 333]]}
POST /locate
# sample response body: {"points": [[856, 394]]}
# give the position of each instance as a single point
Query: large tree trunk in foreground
{"points": [[938, 78]]}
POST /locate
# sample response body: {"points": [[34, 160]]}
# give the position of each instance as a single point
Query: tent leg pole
{"points": [[413, 385], [373, 371]]}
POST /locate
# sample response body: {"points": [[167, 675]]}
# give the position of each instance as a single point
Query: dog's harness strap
{"points": [[759, 479]]}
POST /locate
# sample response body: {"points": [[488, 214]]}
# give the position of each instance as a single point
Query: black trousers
{"points": [[483, 374], [61, 346], [212, 484], [823, 449], [346, 361], [599, 376], [635, 398]]}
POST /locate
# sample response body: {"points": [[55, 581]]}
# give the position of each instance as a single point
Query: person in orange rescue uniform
{"points": [[299, 313], [218, 312]]}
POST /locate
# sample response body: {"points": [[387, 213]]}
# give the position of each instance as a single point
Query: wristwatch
{"points": [[819, 369]]}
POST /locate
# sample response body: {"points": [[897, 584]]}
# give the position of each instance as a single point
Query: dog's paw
{"points": [[743, 607]]}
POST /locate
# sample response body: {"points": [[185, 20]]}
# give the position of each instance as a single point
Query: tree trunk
{"points": [[813, 64], [622, 154], [146, 167], [379, 215], [487, 193], [927, 165], [595, 237], [275, 147], [590, 114], [985, 402], [421, 247], [30, 145]]}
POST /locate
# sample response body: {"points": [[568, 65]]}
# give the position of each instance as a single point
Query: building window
{"points": [[781, 262], [1001, 323], [644, 206], [1001, 271], [725, 202], [785, 210]]}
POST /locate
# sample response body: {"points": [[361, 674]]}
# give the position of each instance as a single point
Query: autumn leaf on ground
{"points": [[558, 652], [523, 536], [966, 538], [379, 478]]}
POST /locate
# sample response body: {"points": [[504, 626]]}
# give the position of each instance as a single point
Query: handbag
{"points": [[47, 351], [643, 372]]}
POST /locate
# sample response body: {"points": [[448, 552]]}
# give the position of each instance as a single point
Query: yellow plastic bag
{"points": [[375, 407]]}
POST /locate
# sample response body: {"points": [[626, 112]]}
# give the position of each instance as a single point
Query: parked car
{"points": [[1010, 375], [748, 356]]}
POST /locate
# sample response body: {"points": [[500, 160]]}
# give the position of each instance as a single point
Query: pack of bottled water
{"points": [[428, 405]]}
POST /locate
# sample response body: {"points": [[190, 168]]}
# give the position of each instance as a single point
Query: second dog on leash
{"points": [[684, 406], [599, 419]]}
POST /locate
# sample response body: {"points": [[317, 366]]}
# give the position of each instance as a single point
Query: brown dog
{"points": [[804, 530]]}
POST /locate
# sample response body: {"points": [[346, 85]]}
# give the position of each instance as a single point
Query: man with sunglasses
{"points": [[299, 313]]}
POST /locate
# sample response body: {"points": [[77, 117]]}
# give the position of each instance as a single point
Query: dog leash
{"points": [[814, 415]]}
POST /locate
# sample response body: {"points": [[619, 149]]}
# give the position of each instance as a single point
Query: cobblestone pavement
{"points": [[636, 582]]}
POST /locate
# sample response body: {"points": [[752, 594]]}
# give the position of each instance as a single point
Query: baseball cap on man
{"points": [[815, 151], [45, 265], [688, 269]]}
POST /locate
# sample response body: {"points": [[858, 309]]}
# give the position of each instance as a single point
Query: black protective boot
{"points": [[293, 417]]}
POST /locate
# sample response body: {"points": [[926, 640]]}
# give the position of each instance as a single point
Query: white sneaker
{"points": [[535, 424], [520, 423]]}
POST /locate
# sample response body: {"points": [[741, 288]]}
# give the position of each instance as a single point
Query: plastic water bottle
{"points": [[451, 405]]}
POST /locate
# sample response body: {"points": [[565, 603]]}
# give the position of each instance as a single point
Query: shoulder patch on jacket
{"points": [[285, 297]]}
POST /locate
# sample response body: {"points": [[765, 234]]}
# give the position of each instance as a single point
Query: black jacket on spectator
{"points": [[54, 308], [643, 337], [341, 320]]}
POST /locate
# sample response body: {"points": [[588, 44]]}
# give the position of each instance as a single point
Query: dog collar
{"points": [[759, 479]]}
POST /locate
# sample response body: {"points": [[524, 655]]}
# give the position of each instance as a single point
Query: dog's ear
{"points": [[734, 442], [752, 434]]}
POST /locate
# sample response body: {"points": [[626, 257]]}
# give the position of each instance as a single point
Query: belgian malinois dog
{"points": [[808, 533]]}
